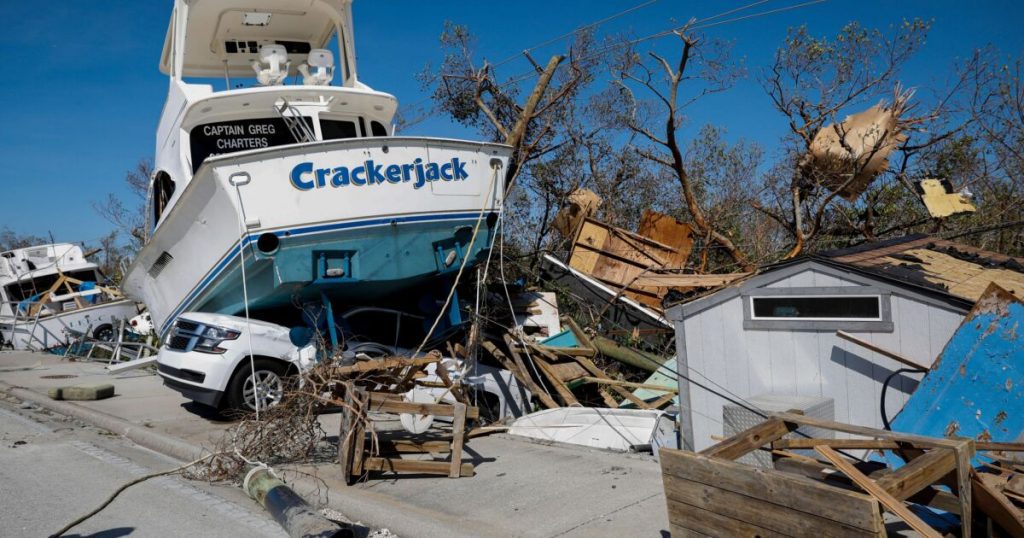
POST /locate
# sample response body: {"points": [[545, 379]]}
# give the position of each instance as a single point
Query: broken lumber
{"points": [[882, 351], [891, 503], [637, 359]]}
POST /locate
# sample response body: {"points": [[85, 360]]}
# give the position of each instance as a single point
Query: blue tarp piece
{"points": [[976, 387], [87, 286]]}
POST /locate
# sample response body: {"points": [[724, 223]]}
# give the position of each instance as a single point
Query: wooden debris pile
{"points": [[643, 265], [841, 488], [558, 376]]}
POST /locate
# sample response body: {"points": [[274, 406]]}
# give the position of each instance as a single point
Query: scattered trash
{"points": [[941, 201]]}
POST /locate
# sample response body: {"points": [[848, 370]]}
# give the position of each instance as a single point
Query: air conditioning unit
{"points": [[735, 419]]}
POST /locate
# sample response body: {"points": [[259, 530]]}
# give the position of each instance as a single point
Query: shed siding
{"points": [[744, 363]]}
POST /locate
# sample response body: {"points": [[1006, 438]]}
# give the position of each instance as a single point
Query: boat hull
{"points": [[318, 218], [56, 330]]}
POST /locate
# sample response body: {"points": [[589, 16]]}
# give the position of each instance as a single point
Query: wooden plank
{"points": [[458, 430], [609, 401], [919, 440], [414, 466], [630, 384], [782, 489], [891, 503], [883, 444], [881, 351], [362, 401], [919, 473], [568, 371], [668, 231], [384, 364], [527, 379], [396, 406], [563, 392], [598, 373], [668, 280], [708, 523], [522, 376], [570, 351], [748, 440], [756, 511], [581, 336], [995, 505], [411, 446], [964, 454], [345, 435]]}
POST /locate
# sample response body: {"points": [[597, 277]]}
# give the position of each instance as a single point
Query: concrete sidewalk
{"points": [[521, 488]]}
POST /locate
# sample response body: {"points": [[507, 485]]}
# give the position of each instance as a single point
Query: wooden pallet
{"points": [[356, 456]]}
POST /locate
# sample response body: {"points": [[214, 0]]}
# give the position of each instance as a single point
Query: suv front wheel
{"points": [[266, 387]]}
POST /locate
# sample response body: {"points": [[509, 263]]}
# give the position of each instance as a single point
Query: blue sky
{"points": [[81, 93]]}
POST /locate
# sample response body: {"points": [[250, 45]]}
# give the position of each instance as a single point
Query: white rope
{"points": [[511, 309], [462, 267], [245, 299]]}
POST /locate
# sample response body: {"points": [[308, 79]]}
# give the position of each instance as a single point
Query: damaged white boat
{"points": [[50, 294], [622, 430], [290, 179]]}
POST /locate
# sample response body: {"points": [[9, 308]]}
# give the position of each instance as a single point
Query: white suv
{"points": [[206, 358]]}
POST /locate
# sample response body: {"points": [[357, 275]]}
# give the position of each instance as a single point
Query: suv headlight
{"points": [[210, 339]]}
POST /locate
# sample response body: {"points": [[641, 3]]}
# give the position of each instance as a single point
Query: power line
{"points": [[588, 26], [573, 32], [692, 25]]}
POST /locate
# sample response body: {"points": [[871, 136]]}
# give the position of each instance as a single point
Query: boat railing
{"points": [[22, 319]]}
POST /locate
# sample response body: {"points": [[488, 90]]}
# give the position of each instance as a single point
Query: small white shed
{"points": [[775, 333]]}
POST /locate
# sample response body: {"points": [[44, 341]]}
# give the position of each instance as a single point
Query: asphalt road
{"points": [[53, 469]]}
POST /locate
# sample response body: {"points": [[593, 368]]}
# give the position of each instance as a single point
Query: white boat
{"points": [[621, 430], [50, 294], [298, 175]]}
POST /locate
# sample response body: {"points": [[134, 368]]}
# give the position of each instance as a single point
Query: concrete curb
{"points": [[367, 507], [140, 435]]}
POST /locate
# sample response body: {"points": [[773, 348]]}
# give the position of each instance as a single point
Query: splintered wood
{"points": [[833, 495], [560, 370], [619, 257]]}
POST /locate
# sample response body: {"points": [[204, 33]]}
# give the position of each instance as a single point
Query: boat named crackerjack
{"points": [[293, 166]]}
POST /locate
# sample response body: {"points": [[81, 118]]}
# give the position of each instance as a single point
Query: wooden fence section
{"points": [[716, 497]]}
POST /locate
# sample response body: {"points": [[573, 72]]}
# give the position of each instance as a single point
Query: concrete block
{"points": [[94, 392]]}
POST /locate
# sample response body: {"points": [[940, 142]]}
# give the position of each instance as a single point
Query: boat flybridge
{"points": [[50, 294], [270, 150]]}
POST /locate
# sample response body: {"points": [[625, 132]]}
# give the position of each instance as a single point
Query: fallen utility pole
{"points": [[291, 511]]}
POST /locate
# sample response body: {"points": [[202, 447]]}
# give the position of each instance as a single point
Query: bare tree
{"points": [[811, 81], [129, 215], [701, 69]]}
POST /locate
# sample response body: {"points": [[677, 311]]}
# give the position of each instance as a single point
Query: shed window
{"points": [[821, 307]]}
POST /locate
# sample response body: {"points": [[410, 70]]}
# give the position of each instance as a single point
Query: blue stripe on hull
{"points": [[387, 258]]}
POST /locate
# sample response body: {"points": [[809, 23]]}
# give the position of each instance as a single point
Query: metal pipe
{"points": [[291, 511]]}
